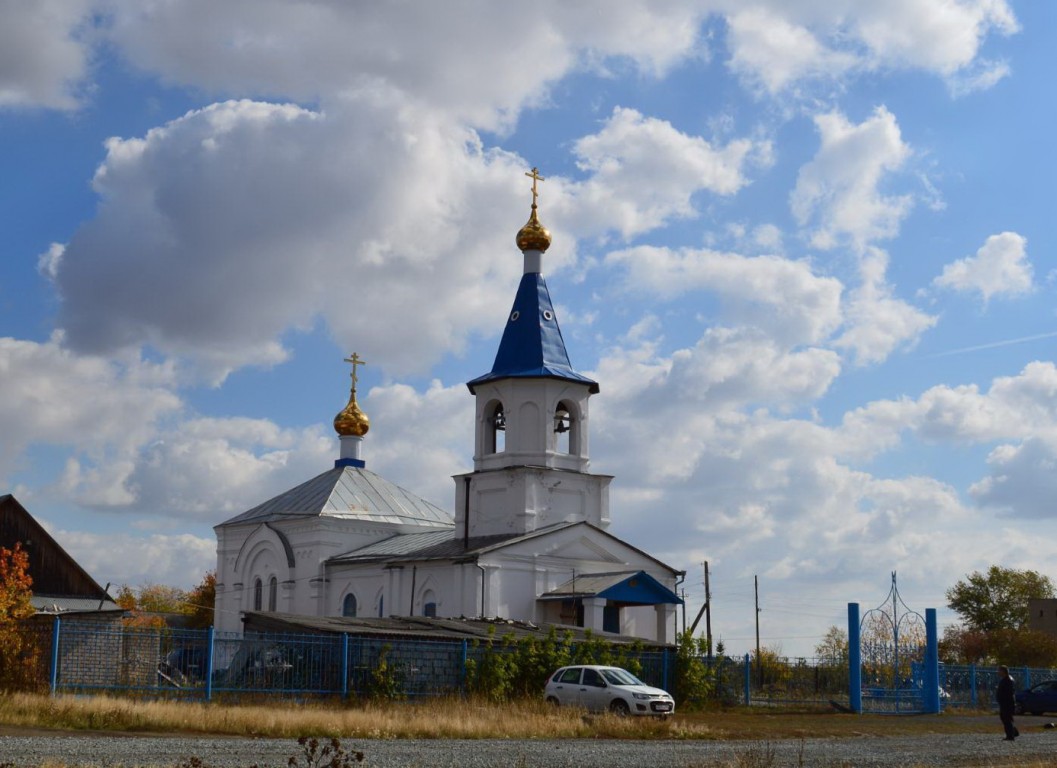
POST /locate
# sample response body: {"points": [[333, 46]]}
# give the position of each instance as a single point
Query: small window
{"points": [[258, 594], [273, 593], [348, 606], [429, 603], [381, 607]]}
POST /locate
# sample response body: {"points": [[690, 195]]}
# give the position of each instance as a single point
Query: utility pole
{"points": [[684, 609], [708, 614], [759, 661]]}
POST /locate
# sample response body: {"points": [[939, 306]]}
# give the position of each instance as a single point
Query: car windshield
{"points": [[618, 676]]}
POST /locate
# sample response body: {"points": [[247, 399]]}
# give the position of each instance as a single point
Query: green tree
{"points": [[997, 600], [694, 681]]}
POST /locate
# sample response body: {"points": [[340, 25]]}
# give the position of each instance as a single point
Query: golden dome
{"points": [[351, 420], [533, 236]]}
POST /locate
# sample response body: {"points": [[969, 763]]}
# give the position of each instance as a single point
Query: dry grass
{"points": [[451, 718]]}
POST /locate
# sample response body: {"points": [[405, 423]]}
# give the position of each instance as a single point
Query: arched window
{"points": [[381, 607], [273, 593], [258, 594], [348, 606], [429, 604], [563, 428], [497, 426]]}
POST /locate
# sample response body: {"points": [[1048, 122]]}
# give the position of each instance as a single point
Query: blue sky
{"points": [[805, 248]]}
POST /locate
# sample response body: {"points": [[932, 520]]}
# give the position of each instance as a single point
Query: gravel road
{"points": [[864, 752]]}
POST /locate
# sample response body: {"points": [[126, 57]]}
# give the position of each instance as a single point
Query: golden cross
{"points": [[355, 360], [535, 176]]}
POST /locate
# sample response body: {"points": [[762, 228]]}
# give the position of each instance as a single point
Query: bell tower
{"points": [[531, 422]]}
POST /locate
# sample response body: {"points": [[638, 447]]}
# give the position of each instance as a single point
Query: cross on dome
{"points": [[351, 421], [356, 360]]}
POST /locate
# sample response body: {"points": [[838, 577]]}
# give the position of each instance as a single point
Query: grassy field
{"points": [[24, 714], [453, 718]]}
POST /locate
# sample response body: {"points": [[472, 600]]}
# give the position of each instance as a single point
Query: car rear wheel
{"points": [[553, 701], [619, 707]]}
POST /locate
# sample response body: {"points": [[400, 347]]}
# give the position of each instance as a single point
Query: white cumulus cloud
{"points": [[999, 268]]}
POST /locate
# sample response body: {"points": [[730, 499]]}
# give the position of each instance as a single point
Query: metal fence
{"points": [[85, 657], [89, 657], [972, 686]]}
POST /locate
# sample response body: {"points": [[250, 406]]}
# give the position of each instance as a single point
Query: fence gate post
{"points": [[55, 655], [748, 680], [931, 680], [854, 660]]}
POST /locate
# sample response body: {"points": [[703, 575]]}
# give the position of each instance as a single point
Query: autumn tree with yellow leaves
{"points": [[19, 651]]}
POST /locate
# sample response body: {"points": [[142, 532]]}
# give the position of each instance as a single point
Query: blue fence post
{"points": [[210, 637], [748, 681], [462, 670], [55, 655], [664, 667], [931, 674], [344, 665], [972, 685], [854, 660]]}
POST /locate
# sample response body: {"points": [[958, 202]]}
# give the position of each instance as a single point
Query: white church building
{"points": [[528, 540]]}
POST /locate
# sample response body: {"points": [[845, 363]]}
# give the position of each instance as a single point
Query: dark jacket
{"points": [[1005, 693]]}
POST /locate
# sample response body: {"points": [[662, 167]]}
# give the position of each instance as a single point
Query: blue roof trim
{"points": [[350, 463], [532, 345], [641, 589]]}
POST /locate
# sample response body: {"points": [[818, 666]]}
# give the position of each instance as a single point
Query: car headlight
{"points": [[642, 696]]}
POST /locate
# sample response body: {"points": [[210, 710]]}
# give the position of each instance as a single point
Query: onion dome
{"points": [[351, 420], [533, 236]]}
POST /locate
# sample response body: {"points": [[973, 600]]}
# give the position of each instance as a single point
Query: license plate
{"points": [[662, 707]]}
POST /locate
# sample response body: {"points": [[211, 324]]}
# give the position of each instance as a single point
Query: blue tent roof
{"points": [[532, 344], [633, 588]]}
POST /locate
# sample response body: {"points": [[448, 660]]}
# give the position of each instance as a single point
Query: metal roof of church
{"points": [[532, 344], [448, 545], [349, 493], [435, 545]]}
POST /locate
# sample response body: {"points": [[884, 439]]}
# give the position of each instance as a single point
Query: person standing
{"points": [[1006, 702]]}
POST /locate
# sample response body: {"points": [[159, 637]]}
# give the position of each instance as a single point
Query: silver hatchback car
{"points": [[606, 689]]}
